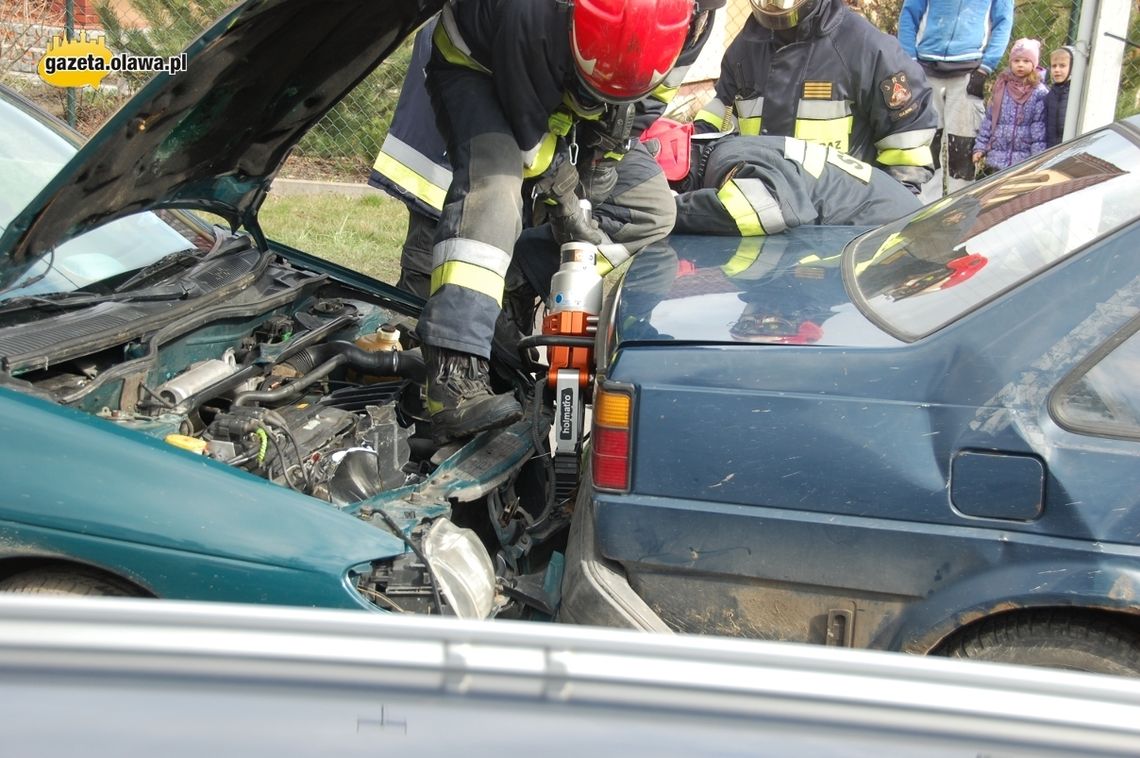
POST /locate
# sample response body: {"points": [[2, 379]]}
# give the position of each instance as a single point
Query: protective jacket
{"points": [[833, 79], [956, 35], [752, 186], [503, 87]]}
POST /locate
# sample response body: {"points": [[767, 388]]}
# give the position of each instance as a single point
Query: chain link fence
{"points": [[343, 145]]}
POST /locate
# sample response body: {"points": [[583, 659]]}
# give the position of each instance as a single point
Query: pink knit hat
{"points": [[1026, 48]]}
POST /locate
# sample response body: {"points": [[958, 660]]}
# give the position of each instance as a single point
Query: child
{"points": [[1014, 125], [1057, 101]]}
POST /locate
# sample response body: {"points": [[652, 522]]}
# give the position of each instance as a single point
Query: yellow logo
{"points": [[79, 62]]}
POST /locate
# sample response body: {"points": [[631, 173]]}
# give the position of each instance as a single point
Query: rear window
{"points": [[920, 273]]}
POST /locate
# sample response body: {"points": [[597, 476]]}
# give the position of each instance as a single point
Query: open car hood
{"points": [[213, 137]]}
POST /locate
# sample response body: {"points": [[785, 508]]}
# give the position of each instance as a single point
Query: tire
{"points": [[1055, 639], [73, 582]]}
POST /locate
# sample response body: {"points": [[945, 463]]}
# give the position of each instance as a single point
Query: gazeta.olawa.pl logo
{"points": [[85, 60]]}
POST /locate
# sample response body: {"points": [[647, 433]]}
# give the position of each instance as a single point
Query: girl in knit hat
{"points": [[1014, 125]]}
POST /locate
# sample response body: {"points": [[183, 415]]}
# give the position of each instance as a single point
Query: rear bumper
{"points": [[593, 591]]}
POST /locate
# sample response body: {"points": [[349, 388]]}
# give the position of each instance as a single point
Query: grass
{"points": [[363, 233]]}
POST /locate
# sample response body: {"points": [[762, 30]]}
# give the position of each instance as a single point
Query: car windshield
{"points": [[919, 274], [31, 153]]}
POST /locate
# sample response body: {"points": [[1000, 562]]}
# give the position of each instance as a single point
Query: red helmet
{"points": [[624, 48]]}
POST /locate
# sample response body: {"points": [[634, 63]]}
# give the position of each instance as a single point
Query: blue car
{"points": [[923, 437]]}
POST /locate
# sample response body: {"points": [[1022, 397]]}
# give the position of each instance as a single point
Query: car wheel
{"points": [[1055, 639], [67, 582]]}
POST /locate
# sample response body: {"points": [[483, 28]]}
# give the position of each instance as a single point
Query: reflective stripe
{"points": [[413, 172], [834, 133], [610, 256], [751, 108], [746, 254], [450, 42], [766, 207], [538, 158], [823, 110], [811, 156], [663, 93], [750, 205], [853, 166], [473, 252], [916, 156], [751, 262], [714, 114], [475, 278], [750, 126], [676, 77], [906, 140]]}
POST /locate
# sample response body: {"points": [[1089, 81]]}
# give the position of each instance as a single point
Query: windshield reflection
{"points": [[916, 275]]}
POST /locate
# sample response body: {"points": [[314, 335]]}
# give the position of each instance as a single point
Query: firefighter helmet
{"points": [[781, 14], [624, 48]]}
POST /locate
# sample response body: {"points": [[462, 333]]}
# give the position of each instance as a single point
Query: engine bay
{"points": [[289, 375]]}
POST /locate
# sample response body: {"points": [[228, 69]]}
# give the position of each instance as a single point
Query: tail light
{"points": [[611, 438]]}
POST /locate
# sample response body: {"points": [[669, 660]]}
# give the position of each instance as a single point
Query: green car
{"points": [[193, 411]]}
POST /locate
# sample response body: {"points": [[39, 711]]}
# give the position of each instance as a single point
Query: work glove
{"points": [[599, 181], [976, 86], [559, 182], [572, 223]]}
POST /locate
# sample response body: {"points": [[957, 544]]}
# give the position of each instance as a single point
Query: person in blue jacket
{"points": [[959, 43]]}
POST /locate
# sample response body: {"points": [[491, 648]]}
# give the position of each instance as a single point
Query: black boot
{"points": [[459, 396]]}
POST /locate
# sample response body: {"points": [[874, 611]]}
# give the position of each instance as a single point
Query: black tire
{"points": [[1055, 639], [62, 581]]}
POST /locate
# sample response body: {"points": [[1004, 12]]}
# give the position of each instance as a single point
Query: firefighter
{"points": [[510, 81], [412, 166], [750, 186], [816, 70]]}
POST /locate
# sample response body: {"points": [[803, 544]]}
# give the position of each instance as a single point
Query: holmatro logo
{"points": [[86, 61]]}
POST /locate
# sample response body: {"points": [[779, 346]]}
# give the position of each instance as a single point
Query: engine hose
{"points": [[293, 388], [408, 365], [535, 340]]}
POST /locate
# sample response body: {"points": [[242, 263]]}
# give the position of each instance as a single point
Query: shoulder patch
{"points": [[896, 90]]}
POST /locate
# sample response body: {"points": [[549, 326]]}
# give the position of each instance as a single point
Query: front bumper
{"points": [[593, 592]]}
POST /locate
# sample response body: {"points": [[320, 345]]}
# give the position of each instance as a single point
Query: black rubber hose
{"points": [[293, 388], [555, 339], [407, 365]]}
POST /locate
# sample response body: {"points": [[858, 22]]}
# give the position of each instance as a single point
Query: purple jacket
{"points": [[1020, 130]]}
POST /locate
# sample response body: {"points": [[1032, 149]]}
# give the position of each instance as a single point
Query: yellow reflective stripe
{"points": [[915, 156], [664, 93], [746, 254], [451, 53], [832, 132], [713, 119], [742, 212], [610, 256], [538, 159], [410, 180], [469, 276], [749, 126]]}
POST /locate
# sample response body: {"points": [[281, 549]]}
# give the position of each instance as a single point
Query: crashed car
{"points": [[193, 411], [923, 437]]}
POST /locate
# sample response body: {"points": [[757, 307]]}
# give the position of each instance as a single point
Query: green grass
{"points": [[362, 233]]}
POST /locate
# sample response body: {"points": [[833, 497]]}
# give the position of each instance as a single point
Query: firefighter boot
{"points": [[459, 396]]}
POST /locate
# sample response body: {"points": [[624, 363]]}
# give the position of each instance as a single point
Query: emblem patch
{"points": [[896, 91]]}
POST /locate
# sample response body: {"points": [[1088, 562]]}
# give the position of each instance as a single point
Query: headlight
{"points": [[462, 568]]}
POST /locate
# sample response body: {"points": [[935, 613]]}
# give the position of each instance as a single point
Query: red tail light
{"points": [[610, 438]]}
